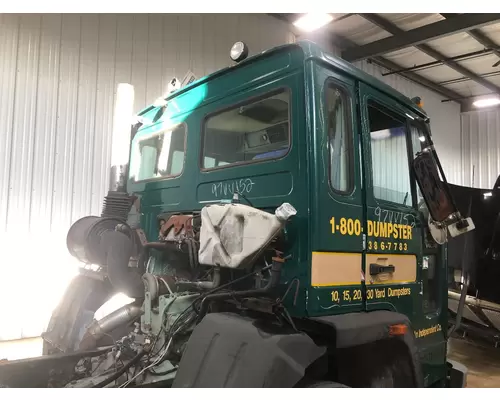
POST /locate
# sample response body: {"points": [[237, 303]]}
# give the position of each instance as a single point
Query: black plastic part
{"points": [[362, 328], [376, 269], [228, 350]]}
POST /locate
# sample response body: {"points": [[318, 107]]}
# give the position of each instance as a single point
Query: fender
{"points": [[75, 311], [367, 327], [229, 350]]}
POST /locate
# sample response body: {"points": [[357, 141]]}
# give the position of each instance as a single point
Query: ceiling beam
{"points": [[420, 35], [344, 43], [481, 38], [393, 29]]}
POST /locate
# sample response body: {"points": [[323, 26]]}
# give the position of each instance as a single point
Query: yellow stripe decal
{"points": [[336, 269]]}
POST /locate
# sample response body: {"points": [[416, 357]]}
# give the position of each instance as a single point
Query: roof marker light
{"points": [[239, 52]]}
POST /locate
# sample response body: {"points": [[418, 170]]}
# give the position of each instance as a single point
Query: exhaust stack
{"points": [[117, 203], [120, 150]]}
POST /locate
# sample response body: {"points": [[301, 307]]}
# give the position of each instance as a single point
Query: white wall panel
{"points": [[481, 147], [58, 77]]}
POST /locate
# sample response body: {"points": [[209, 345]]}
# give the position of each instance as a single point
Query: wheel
{"points": [[396, 374], [326, 384], [384, 379]]}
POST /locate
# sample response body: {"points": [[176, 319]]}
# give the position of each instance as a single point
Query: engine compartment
{"points": [[227, 257]]}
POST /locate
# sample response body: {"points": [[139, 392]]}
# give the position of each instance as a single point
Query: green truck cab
{"points": [[351, 291], [336, 144]]}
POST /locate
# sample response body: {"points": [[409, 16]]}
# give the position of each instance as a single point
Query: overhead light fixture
{"points": [[487, 194], [313, 21], [492, 101]]}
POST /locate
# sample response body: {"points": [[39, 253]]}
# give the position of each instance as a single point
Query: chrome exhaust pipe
{"points": [[98, 329], [122, 129]]}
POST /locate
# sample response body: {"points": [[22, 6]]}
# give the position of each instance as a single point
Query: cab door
{"points": [[404, 270], [336, 197], [393, 253]]}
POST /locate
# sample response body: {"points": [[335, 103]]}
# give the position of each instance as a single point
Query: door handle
{"points": [[376, 269]]}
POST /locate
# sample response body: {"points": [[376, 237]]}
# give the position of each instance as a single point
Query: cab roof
{"points": [[310, 51]]}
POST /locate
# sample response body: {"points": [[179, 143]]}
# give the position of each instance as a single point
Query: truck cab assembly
{"points": [[283, 222]]}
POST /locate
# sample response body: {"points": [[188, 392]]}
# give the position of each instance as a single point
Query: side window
{"points": [[390, 164], [339, 138], [249, 132], [161, 155]]}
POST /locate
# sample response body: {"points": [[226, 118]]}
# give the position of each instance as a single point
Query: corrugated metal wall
{"points": [[58, 77], [480, 142], [445, 119]]}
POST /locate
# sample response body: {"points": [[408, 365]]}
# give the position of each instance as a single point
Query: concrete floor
{"points": [[482, 361]]}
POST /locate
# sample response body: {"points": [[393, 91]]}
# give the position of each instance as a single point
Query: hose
{"points": [[121, 371], [201, 285], [272, 283]]}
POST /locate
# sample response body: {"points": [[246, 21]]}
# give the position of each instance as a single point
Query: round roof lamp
{"points": [[239, 52]]}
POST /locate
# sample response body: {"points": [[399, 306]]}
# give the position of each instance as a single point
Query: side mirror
{"points": [[437, 198], [435, 191]]}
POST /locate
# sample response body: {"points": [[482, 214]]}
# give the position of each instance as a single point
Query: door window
{"points": [[390, 166]]}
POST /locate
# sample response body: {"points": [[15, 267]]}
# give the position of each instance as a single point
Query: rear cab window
{"points": [[253, 131]]}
